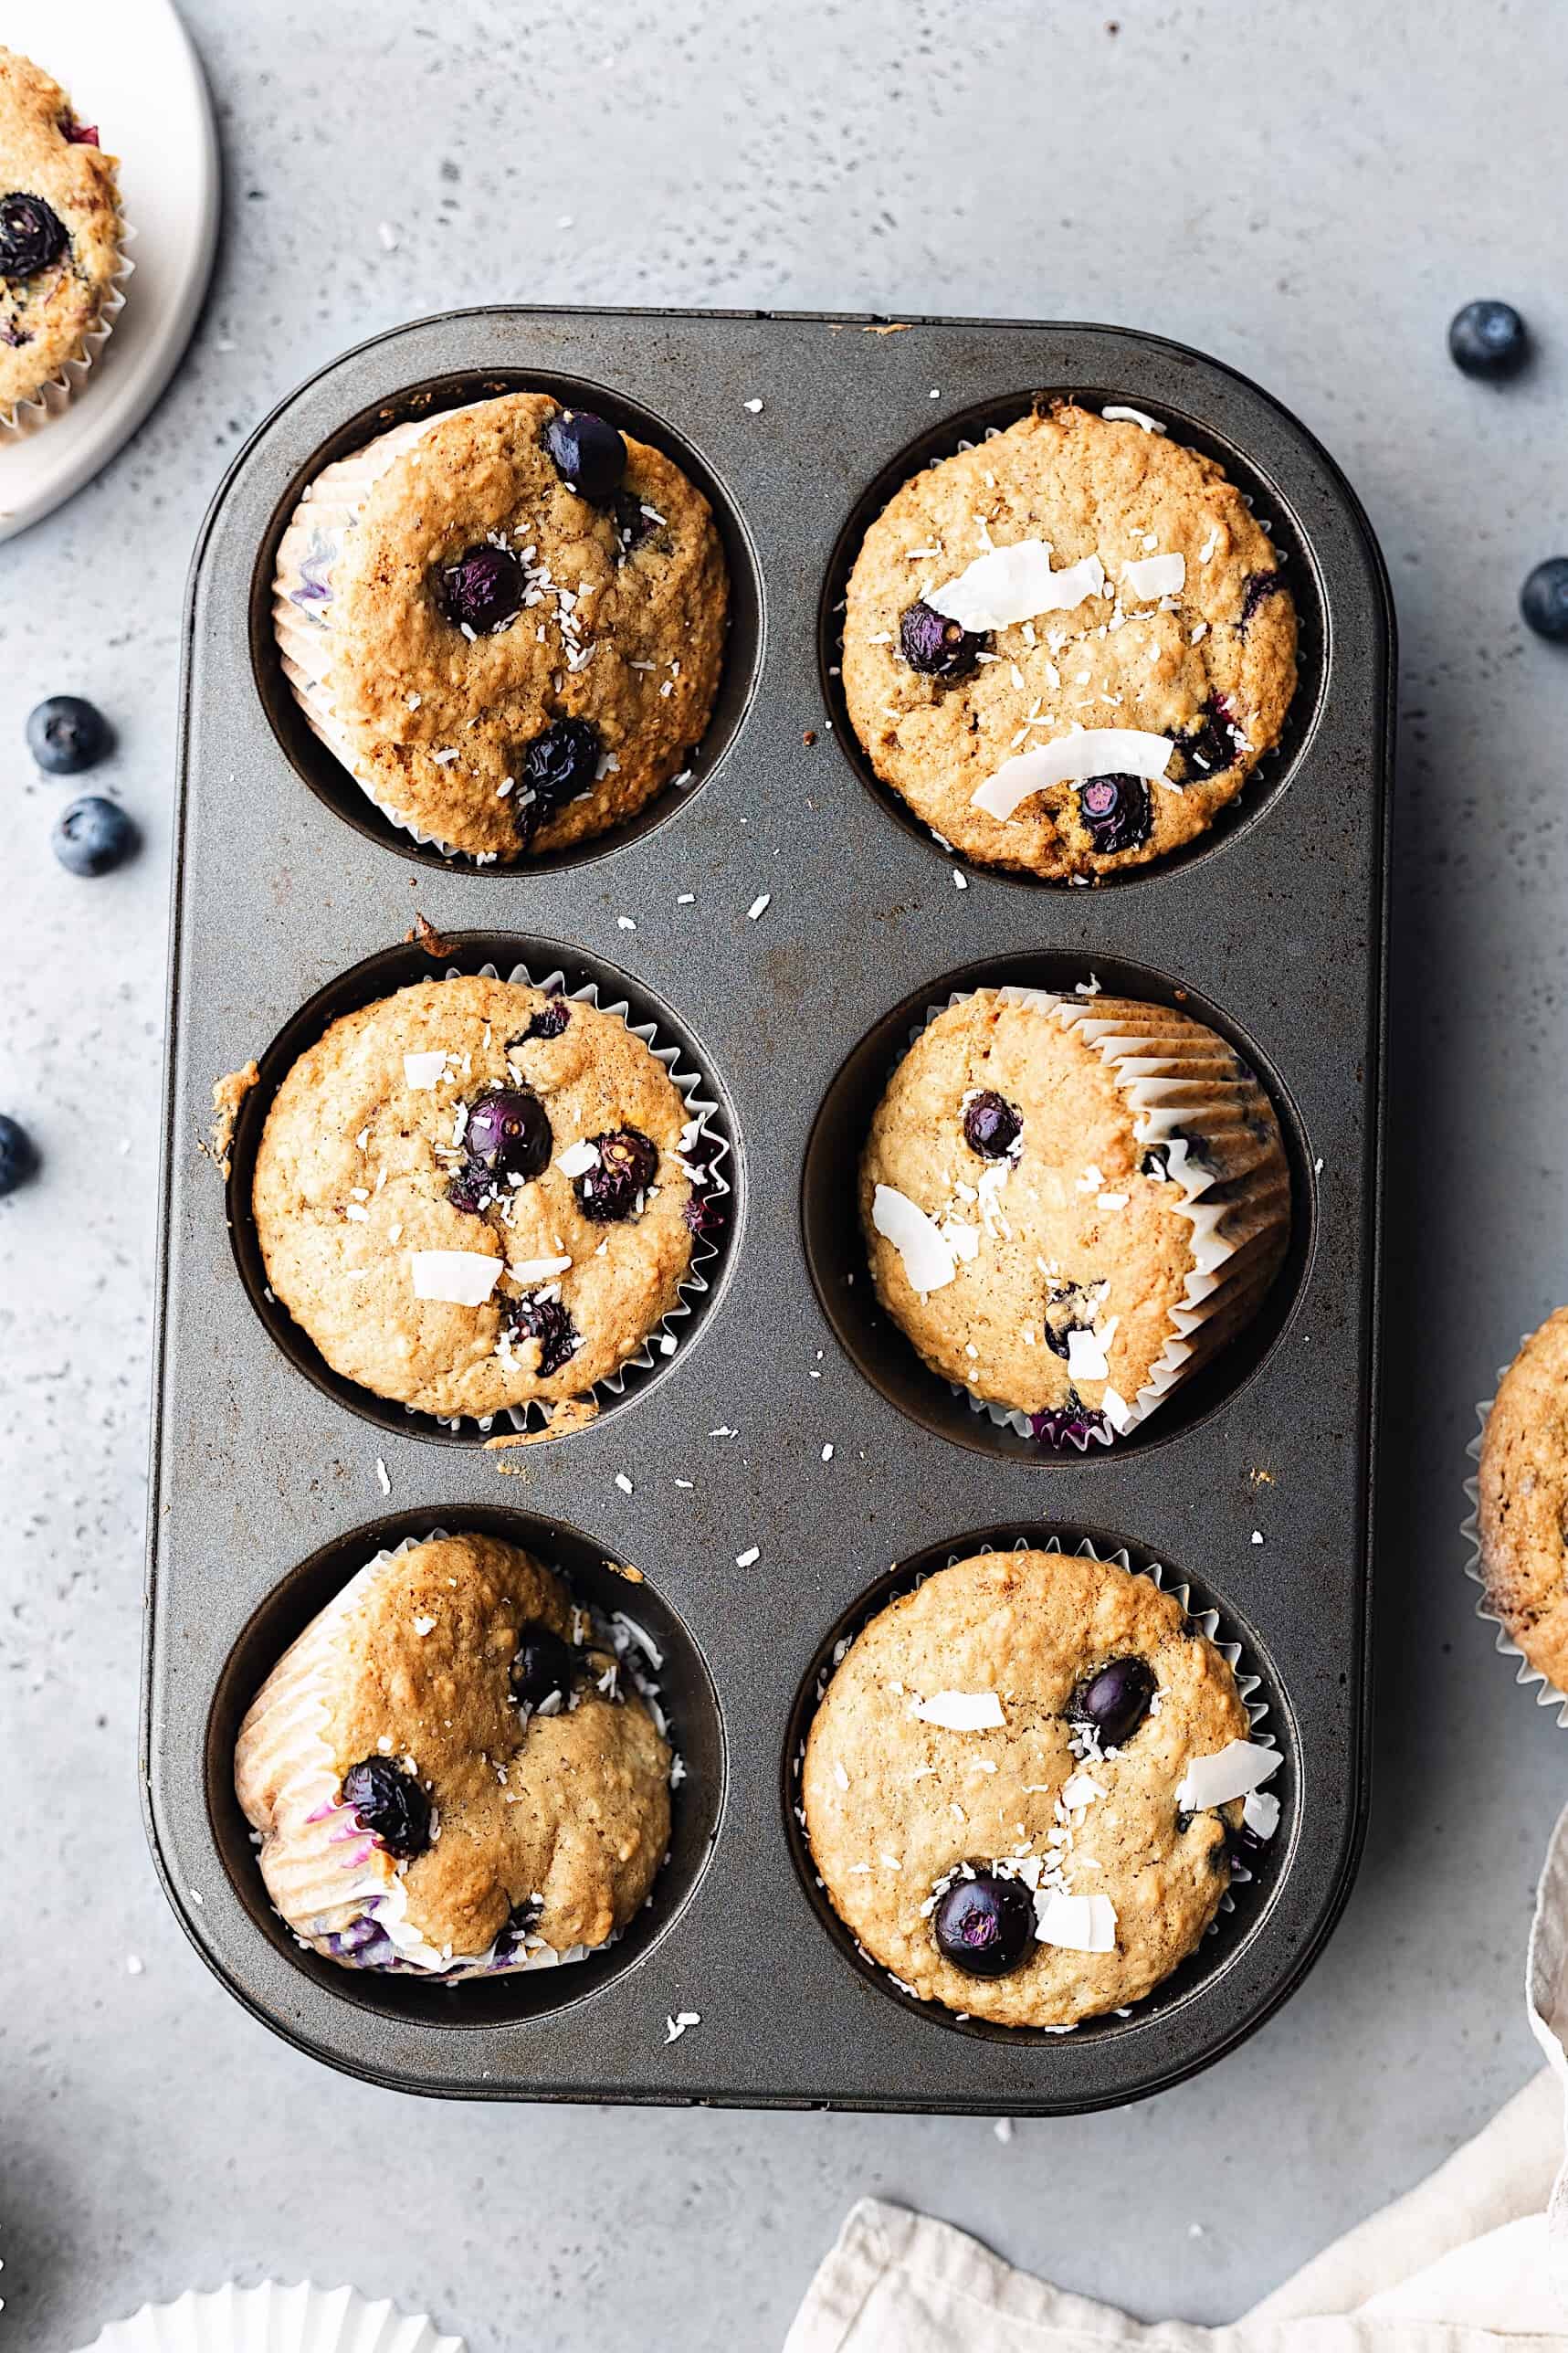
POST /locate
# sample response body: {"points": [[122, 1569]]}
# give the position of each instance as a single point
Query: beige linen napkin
{"points": [[1474, 2260]]}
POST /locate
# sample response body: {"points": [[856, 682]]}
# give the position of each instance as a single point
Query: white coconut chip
{"points": [[957, 1711], [1069, 759], [1014, 584], [927, 1260], [1082, 1924], [422, 1070], [1086, 1356], [1119, 415], [1234, 1771], [1154, 577], [536, 1269], [1262, 1813], [577, 1158], [462, 1278]]}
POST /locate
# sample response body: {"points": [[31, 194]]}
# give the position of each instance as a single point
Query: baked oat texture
{"points": [[1222, 652], [893, 1804], [406, 685], [1522, 1498], [338, 1219], [1083, 1227], [45, 319], [572, 1807]]}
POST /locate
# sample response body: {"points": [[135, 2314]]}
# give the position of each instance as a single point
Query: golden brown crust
{"points": [[337, 1219], [1522, 1500], [45, 319], [1088, 486], [894, 1803]]}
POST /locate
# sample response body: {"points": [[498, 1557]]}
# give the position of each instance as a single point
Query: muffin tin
{"points": [[294, 898]]}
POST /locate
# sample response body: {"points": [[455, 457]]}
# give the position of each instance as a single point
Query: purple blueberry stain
{"points": [[1074, 1424], [1118, 812], [548, 1022]]}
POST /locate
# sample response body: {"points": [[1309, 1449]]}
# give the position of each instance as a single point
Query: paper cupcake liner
{"points": [[1548, 1694], [1207, 1621], [56, 396], [336, 1889], [701, 1108], [1174, 1080], [273, 2319]]}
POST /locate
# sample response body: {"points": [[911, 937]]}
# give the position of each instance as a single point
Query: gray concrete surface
{"points": [[1307, 191]]}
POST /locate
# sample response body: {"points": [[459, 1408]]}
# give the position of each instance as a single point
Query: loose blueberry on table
{"points": [[587, 454], [627, 1165], [483, 589], [32, 235], [391, 1804], [935, 646], [542, 1667], [67, 734], [1543, 599], [1488, 339], [984, 1925], [18, 1157], [1115, 1700], [992, 1125], [93, 837]]}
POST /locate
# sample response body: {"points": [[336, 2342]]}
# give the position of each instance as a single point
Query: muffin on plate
{"points": [[450, 1773], [506, 621], [473, 1196], [1069, 647], [1021, 1786], [1070, 1202], [1522, 1500], [61, 266]]}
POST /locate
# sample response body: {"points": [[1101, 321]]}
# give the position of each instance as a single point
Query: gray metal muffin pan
{"points": [[289, 887]]}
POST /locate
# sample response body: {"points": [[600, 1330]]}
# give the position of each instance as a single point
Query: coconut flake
{"points": [[1154, 577], [577, 1158], [1262, 1813], [537, 1270], [1119, 415], [1086, 1356], [961, 1711], [1068, 759], [1082, 1924], [1013, 584], [424, 1070], [1234, 1771], [1080, 1790], [928, 1262], [462, 1278]]}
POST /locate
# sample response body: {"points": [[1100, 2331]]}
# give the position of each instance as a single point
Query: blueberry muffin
{"points": [[59, 236], [1522, 1500], [1022, 1784], [472, 1196], [449, 1771], [1070, 1202], [507, 622], [1069, 647]]}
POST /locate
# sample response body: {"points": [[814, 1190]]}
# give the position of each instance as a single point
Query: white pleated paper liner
{"points": [[1207, 1621], [1528, 1673], [273, 2319], [53, 398], [1220, 1294], [335, 1888], [700, 1108]]}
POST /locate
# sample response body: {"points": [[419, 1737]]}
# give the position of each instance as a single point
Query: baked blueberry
{"points": [[633, 522], [1115, 1700], [992, 1125], [1488, 339], [471, 1188], [67, 734], [1117, 811], [1206, 748], [548, 1022], [540, 1667], [1070, 1308], [32, 235], [557, 766], [483, 590], [18, 1157], [535, 1317], [1073, 1424], [935, 646], [1258, 587], [1543, 599], [613, 1188], [93, 837], [391, 1804], [509, 1133], [984, 1925], [587, 453]]}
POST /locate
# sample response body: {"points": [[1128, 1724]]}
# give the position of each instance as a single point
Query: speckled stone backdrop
{"points": [[1306, 191]]}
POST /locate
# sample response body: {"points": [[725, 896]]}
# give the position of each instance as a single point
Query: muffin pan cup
{"points": [[1272, 929]]}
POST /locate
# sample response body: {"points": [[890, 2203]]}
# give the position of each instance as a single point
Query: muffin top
{"points": [[1035, 1231], [1523, 1500], [1075, 574], [1031, 1719], [525, 622], [477, 1736], [60, 230], [473, 1195]]}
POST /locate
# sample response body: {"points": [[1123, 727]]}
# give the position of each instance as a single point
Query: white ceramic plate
{"points": [[129, 66]]}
